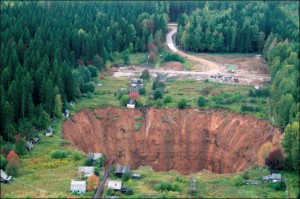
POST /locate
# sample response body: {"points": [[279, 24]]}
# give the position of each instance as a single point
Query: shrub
{"points": [[154, 85], [93, 70], [13, 163], [237, 180], [126, 176], [88, 162], [138, 103], [13, 158], [182, 104], [142, 91], [173, 57], [158, 94], [145, 74], [166, 186], [168, 99], [59, 154], [246, 175], [124, 100], [129, 192], [206, 90], [77, 156], [92, 182], [278, 186], [138, 118], [138, 126], [275, 159], [134, 96], [159, 103], [201, 101], [3, 162], [12, 170], [21, 148]]}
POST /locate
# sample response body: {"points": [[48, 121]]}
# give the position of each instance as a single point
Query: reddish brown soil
{"points": [[186, 140], [173, 65]]}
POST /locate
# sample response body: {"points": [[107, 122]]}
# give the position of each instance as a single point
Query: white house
{"points": [[87, 171], [95, 156], [115, 185], [78, 186]]}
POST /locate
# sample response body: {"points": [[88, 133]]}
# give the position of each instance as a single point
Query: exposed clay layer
{"points": [[186, 140]]}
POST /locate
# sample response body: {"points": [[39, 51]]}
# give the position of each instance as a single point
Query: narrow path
{"points": [[213, 67]]}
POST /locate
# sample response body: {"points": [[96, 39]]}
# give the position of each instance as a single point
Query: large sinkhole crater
{"points": [[186, 140]]}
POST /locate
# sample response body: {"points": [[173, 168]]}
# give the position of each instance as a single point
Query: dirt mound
{"points": [[185, 140], [173, 65]]}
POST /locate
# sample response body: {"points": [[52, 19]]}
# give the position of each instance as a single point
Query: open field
{"points": [[208, 185], [189, 89]]}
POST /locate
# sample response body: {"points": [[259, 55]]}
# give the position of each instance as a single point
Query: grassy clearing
{"points": [[43, 176], [208, 185], [135, 59], [228, 96]]}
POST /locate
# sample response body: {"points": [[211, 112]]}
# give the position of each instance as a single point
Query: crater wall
{"points": [[186, 140]]}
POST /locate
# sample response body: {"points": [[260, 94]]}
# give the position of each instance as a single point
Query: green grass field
{"points": [[208, 185], [228, 96]]}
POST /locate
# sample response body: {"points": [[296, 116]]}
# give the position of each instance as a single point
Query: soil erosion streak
{"points": [[186, 140]]}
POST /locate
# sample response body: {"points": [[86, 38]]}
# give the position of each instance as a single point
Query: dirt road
{"points": [[213, 67]]}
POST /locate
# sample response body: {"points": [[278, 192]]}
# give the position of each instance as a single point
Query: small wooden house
{"points": [[120, 170], [115, 185], [4, 177], [34, 140], [49, 131], [136, 176], [66, 113], [78, 186], [87, 171], [252, 182], [95, 156], [131, 103], [29, 145]]}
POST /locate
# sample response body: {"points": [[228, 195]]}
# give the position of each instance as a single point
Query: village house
{"points": [[134, 89], [49, 131], [95, 156], [136, 82], [274, 177], [86, 171], [120, 170], [115, 185], [78, 186], [34, 140], [136, 176], [66, 113], [4, 177], [131, 103], [29, 145], [252, 182]]}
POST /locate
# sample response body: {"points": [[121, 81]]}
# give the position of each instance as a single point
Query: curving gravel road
{"points": [[244, 77], [213, 67]]}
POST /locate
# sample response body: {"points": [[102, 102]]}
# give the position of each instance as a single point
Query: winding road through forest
{"points": [[213, 67]]}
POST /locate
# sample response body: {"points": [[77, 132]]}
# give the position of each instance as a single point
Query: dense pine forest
{"points": [[50, 51], [44, 43]]}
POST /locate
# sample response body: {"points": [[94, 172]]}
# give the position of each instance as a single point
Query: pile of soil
{"points": [[173, 65], [186, 140]]}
